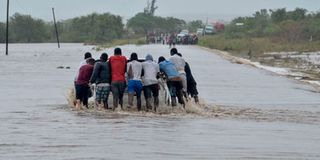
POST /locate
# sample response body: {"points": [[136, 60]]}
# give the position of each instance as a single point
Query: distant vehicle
{"points": [[209, 29], [199, 31], [183, 33], [219, 27]]}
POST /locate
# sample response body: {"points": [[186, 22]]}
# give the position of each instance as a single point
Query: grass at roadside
{"points": [[255, 47], [119, 42]]}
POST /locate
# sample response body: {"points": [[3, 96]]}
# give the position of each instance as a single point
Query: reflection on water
{"points": [[36, 122]]}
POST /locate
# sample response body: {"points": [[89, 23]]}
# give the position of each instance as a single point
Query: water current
{"points": [[245, 113]]}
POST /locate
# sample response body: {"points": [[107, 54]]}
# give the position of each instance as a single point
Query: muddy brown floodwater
{"points": [[249, 113]]}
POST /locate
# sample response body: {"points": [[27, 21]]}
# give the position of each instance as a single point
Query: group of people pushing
{"points": [[117, 73]]}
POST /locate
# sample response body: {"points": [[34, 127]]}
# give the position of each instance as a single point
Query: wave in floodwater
{"points": [[201, 110]]}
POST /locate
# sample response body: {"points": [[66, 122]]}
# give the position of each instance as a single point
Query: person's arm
{"points": [[125, 68], [95, 73], [110, 68], [142, 71]]}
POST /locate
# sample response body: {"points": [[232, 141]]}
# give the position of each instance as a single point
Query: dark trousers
{"points": [[175, 88], [82, 93], [151, 90], [118, 89]]}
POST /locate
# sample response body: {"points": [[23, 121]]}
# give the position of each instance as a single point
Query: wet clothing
{"points": [[169, 69], [118, 68], [151, 90], [101, 73], [175, 88], [102, 78], [180, 63], [118, 88], [134, 69], [135, 86], [192, 84], [82, 63], [102, 92], [84, 76], [151, 70], [82, 93]]}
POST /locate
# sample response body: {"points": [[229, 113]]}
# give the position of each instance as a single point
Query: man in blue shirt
{"points": [[173, 80]]}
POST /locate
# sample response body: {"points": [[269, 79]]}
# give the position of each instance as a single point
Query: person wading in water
{"points": [[118, 67], [102, 78], [150, 82], [134, 68]]}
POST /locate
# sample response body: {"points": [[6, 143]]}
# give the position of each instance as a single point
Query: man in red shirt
{"points": [[82, 83], [118, 65]]}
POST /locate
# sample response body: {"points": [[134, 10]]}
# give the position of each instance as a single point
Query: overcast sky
{"points": [[186, 9]]}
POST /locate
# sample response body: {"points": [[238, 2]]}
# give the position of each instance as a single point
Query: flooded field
{"points": [[248, 113]]}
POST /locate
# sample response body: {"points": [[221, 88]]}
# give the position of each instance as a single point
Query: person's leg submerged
{"points": [[122, 89], [155, 93], [138, 89], [86, 96], [179, 91], [147, 96], [130, 93], [106, 97], [115, 94]]}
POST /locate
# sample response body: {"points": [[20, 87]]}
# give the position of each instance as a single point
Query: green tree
{"points": [[25, 29], [92, 28], [143, 23], [194, 25], [2, 32], [278, 15], [297, 14], [261, 21]]}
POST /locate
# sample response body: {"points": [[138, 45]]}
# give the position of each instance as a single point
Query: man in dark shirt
{"points": [[191, 82], [82, 84], [102, 78]]}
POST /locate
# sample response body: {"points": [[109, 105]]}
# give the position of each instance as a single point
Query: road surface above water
{"points": [[35, 122]]}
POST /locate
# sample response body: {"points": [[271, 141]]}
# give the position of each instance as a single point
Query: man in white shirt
{"points": [[180, 63], [134, 68]]}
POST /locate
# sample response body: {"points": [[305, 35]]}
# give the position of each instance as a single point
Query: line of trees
{"points": [[93, 28], [279, 24], [146, 21]]}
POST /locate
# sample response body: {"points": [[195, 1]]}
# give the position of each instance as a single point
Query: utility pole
{"points": [[56, 28], [7, 29]]}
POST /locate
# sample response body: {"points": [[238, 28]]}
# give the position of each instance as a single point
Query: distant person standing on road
{"points": [[180, 63], [118, 67], [173, 80], [82, 84], [102, 78], [134, 68], [150, 82]]}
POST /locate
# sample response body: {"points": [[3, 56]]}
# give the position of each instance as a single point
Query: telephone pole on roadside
{"points": [[7, 30], [56, 28]]}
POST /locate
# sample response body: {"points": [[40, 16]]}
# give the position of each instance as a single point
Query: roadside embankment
{"points": [[256, 47], [302, 66]]}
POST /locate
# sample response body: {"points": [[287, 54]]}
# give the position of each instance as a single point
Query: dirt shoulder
{"points": [[294, 65]]}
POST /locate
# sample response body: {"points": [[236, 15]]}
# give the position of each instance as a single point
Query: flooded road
{"points": [[36, 123]]}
